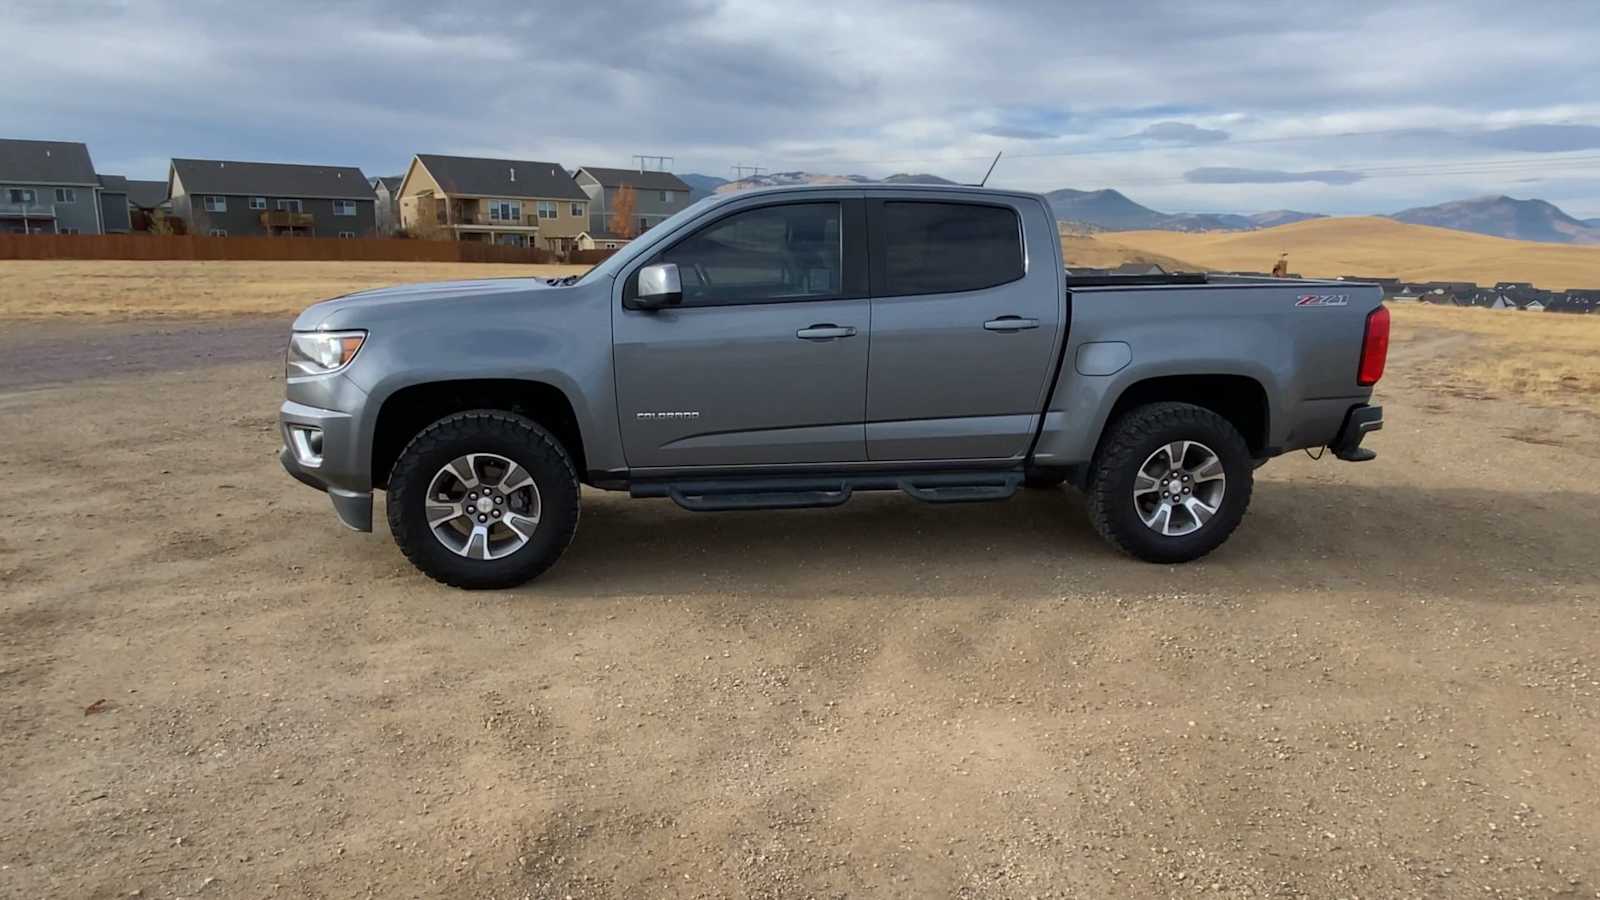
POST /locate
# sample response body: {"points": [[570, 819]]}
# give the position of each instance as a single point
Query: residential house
{"points": [[656, 195], [387, 190], [1391, 286], [114, 204], [49, 187], [225, 198], [520, 202], [146, 201], [601, 240]]}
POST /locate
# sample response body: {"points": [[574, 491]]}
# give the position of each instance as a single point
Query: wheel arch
{"points": [[1240, 399], [408, 410]]}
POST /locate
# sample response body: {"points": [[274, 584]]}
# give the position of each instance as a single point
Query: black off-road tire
{"points": [[1043, 479], [515, 437], [1128, 442]]}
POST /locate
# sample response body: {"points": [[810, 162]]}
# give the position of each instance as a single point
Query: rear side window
{"points": [[944, 248]]}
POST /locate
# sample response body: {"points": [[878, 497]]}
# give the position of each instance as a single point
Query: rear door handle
{"points": [[825, 332], [1010, 323]]}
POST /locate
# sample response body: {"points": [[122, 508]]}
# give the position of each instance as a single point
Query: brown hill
{"points": [[1092, 252], [1376, 247]]}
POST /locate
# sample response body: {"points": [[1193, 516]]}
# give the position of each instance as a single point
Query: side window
{"points": [[944, 248], [766, 255]]}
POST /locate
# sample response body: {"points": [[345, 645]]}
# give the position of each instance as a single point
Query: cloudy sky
{"points": [[1223, 105]]}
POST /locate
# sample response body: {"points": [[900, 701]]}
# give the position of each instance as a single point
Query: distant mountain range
{"points": [[1111, 210], [1508, 217]]}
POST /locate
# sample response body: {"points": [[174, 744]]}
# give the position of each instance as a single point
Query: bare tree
{"points": [[622, 205], [426, 224]]}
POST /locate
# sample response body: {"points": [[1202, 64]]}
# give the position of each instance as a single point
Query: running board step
{"points": [[970, 490], [700, 501], [800, 492]]}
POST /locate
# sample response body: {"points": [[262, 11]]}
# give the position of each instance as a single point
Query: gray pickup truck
{"points": [[785, 348]]}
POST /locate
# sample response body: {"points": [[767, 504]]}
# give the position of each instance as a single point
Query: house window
{"points": [[577, 209], [216, 204], [218, 232], [344, 207], [66, 195], [293, 206], [664, 197], [68, 231], [22, 195], [258, 203], [547, 209], [347, 234], [505, 211]]}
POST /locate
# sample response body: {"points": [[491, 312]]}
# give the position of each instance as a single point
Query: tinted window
{"points": [[775, 253], [941, 248]]}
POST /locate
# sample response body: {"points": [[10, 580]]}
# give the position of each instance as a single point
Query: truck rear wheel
{"points": [[483, 499], [1170, 482]]}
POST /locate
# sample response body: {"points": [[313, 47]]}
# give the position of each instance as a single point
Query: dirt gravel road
{"points": [[1385, 685]]}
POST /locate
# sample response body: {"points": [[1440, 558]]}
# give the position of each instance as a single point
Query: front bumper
{"points": [[1360, 421], [337, 470]]}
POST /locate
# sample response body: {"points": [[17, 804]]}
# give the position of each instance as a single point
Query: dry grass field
{"points": [[1384, 685], [122, 289], [1092, 252], [1550, 359], [1373, 247]]}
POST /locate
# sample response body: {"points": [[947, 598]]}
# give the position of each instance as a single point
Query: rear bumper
{"points": [[1360, 421]]}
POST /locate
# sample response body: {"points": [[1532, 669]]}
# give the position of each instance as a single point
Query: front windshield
{"points": [[611, 264]]}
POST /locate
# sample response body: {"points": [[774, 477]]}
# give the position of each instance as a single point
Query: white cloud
{"points": [[830, 85]]}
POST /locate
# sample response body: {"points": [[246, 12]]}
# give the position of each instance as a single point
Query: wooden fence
{"points": [[189, 246]]}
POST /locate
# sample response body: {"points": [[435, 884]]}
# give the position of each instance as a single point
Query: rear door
{"points": [[765, 361], [967, 313]]}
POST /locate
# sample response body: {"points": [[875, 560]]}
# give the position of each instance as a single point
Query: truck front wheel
{"points": [[483, 499], [1170, 482]]}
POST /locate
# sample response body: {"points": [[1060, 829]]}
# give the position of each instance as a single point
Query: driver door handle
{"points": [[1010, 323], [825, 332]]}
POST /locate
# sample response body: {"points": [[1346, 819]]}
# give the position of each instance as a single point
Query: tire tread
{"points": [[458, 426], [1128, 436]]}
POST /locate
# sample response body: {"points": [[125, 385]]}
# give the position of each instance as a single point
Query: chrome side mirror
{"points": [[659, 286]]}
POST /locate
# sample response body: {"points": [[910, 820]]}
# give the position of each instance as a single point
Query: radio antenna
{"points": [[991, 169]]}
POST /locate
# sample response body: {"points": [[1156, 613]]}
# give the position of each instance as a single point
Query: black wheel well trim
{"points": [[406, 411], [1246, 406]]}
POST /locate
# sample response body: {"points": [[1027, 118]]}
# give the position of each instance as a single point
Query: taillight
{"points": [[1374, 347]]}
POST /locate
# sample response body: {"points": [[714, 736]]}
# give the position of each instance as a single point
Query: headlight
{"points": [[321, 352]]}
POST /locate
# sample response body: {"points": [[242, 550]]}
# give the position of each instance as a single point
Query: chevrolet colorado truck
{"points": [[788, 347]]}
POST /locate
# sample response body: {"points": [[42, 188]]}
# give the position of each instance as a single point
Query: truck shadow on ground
{"points": [[1292, 530]]}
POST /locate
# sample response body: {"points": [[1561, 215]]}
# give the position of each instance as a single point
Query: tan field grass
{"points": [[1323, 248], [109, 290], [1547, 359], [1092, 252]]}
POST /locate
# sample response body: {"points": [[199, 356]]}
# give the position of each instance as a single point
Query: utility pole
{"points": [[740, 173], [654, 163]]}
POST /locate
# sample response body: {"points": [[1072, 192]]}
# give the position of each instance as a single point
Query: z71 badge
{"points": [[1322, 300]]}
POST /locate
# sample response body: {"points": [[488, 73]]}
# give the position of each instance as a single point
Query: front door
{"points": [[963, 335], [765, 361]]}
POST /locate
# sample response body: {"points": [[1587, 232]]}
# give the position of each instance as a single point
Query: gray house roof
{"points": [[639, 181], [523, 178], [392, 182], [113, 184], [217, 176], [147, 194], [45, 162]]}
